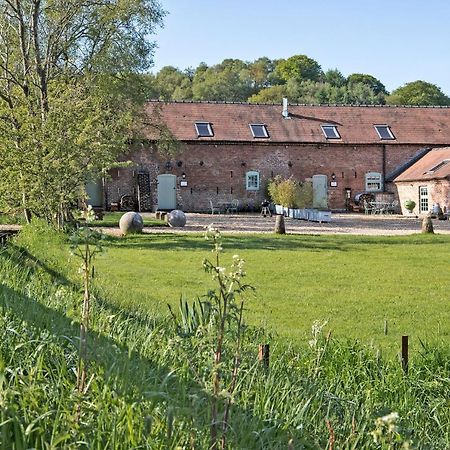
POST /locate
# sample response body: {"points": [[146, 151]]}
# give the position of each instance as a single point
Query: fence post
{"points": [[405, 354], [263, 355]]}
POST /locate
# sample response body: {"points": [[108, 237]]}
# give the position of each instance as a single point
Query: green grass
{"points": [[7, 219], [111, 219], [142, 393], [356, 283]]}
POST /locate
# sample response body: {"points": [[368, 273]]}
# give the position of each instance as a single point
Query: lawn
{"points": [[111, 219], [354, 283]]}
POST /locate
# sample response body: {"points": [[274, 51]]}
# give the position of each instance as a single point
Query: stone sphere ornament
{"points": [[131, 222], [176, 218]]}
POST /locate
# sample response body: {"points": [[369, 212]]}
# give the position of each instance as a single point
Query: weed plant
{"points": [[322, 394]]}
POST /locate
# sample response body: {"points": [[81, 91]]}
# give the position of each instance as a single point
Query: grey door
{"points": [[320, 191], [94, 190], [167, 192]]}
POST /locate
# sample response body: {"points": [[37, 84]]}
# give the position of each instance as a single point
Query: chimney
{"points": [[285, 112]]}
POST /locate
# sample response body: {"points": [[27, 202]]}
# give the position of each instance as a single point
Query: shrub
{"points": [[290, 193], [410, 205]]}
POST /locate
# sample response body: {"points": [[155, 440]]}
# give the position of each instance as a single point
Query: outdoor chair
{"points": [[214, 209], [368, 208], [234, 206]]}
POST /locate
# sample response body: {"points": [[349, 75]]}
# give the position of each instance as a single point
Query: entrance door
{"points": [[423, 199], [94, 190], [167, 193], [320, 191]]}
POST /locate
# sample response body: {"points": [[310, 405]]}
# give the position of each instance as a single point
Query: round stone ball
{"points": [[131, 222], [176, 218]]}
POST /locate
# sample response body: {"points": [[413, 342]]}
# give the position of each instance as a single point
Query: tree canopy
{"points": [[418, 93], [69, 87]]}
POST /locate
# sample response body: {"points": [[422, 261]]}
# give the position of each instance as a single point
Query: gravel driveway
{"points": [[387, 225]]}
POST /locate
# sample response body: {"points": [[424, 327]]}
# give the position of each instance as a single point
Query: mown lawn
{"points": [[353, 282], [111, 219]]}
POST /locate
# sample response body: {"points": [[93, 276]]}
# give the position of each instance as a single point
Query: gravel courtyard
{"points": [[361, 224]]}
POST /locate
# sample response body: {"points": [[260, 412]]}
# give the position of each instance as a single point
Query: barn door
{"points": [[167, 193], [320, 191], [94, 191]]}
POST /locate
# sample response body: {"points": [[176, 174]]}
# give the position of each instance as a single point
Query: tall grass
{"points": [[141, 393]]}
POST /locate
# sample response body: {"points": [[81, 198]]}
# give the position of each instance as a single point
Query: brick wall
{"points": [[217, 171]]}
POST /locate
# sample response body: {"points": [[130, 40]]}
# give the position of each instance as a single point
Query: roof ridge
{"points": [[331, 105]]}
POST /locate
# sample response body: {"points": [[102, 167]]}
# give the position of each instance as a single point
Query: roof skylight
{"points": [[384, 131], [330, 131], [259, 130], [438, 166], [204, 129]]}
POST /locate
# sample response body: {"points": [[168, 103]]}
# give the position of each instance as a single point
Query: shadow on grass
{"points": [[343, 243], [139, 377]]}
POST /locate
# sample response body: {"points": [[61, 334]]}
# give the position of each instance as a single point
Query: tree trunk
{"points": [[279, 225], [427, 225]]}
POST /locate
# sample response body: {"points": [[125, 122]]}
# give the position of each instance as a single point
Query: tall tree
{"points": [[299, 68], [368, 80], [67, 90], [418, 93]]}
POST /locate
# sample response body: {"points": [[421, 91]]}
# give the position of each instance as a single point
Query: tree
{"points": [[228, 81], [334, 77], [418, 93], [68, 93], [368, 80], [299, 68]]}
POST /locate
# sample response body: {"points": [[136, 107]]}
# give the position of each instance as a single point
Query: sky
{"points": [[396, 41]]}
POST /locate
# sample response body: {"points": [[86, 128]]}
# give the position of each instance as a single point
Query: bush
{"points": [[410, 205], [290, 193]]}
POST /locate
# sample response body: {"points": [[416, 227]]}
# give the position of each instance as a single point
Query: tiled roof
{"points": [[230, 122], [421, 170]]}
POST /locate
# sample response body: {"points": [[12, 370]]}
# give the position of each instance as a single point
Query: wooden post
{"points": [[263, 355], [405, 354], [385, 327]]}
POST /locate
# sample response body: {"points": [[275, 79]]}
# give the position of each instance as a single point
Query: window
{"points": [[423, 199], [374, 182], [259, 130], [384, 131], [252, 180], [204, 129], [438, 166], [330, 131]]}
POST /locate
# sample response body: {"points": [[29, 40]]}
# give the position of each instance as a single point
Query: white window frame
{"points": [[423, 199], [252, 180], [210, 130], [388, 128], [373, 178], [332, 127], [263, 127]]}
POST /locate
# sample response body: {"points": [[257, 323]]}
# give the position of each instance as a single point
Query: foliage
{"points": [[418, 93], [299, 68], [68, 94], [368, 80], [211, 335], [142, 393], [290, 193], [410, 205]]}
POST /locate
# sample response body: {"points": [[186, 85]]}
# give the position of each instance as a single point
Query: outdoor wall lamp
{"points": [[290, 163], [183, 175], [333, 176], [179, 163], [243, 163], [201, 163]]}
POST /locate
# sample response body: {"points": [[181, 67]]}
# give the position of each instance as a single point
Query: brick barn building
{"points": [[426, 182], [231, 150]]}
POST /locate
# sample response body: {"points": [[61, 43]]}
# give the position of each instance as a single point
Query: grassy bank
{"points": [[143, 394]]}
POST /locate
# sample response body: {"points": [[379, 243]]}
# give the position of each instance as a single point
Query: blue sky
{"points": [[396, 41]]}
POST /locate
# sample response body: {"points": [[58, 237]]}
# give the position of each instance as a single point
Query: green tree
{"points": [[68, 93], [228, 81], [170, 83], [418, 93], [334, 77], [299, 68], [368, 80]]}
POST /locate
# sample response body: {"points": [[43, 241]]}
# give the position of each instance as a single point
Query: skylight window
{"points": [[330, 131], [438, 166], [384, 131], [259, 130], [204, 129]]}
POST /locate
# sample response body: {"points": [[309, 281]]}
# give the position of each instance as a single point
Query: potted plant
{"points": [[410, 205]]}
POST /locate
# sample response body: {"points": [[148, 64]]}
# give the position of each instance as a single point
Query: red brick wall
{"points": [[217, 171]]}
